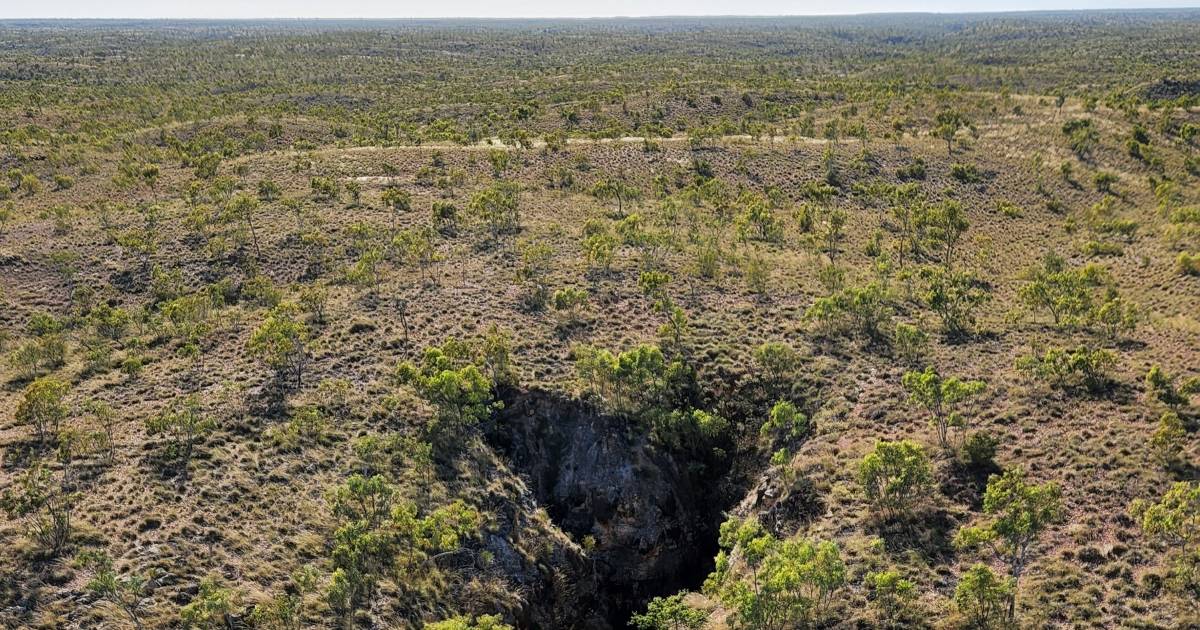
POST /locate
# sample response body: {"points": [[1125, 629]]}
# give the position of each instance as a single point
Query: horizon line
{"points": [[663, 16]]}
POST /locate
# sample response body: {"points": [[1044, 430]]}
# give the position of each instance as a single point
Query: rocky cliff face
{"points": [[646, 525]]}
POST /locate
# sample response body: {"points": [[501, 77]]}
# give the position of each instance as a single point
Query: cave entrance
{"points": [[650, 523]]}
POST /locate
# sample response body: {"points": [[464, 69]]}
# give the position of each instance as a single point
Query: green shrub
{"points": [[1081, 136], [631, 382], [965, 173], [757, 220], [667, 613], [42, 353], [127, 593], [259, 290], [43, 505], [979, 450], [777, 363], [954, 296], [1104, 181], [185, 424], [569, 301], [1009, 209], [940, 397], [213, 606], [1069, 367], [1173, 520], [891, 595], [981, 597], [109, 321], [498, 208], [691, 431], [43, 406], [756, 273], [132, 365], [282, 343], [1166, 389], [896, 476], [599, 250], [30, 185], [1115, 317], [784, 425], [1068, 294], [445, 217], [857, 310], [324, 188], [450, 379], [495, 622], [791, 582], [910, 342], [1018, 512], [1168, 440], [1101, 248], [1188, 263], [912, 171]]}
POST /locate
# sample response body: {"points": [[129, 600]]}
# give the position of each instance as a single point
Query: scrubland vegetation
{"points": [[885, 321]]}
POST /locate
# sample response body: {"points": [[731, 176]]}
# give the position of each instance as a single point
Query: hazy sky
{"points": [[524, 8]]}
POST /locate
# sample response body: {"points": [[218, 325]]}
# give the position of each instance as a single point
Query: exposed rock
{"points": [[654, 528]]}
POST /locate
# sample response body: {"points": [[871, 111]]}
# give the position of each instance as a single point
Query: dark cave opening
{"points": [[654, 519]]}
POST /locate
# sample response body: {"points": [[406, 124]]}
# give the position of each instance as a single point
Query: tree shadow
{"points": [[961, 338], [19, 381], [16, 598], [565, 330], [1129, 345], [164, 464], [965, 482], [1184, 471], [22, 453], [928, 532], [1113, 391], [89, 471], [268, 400], [127, 281]]}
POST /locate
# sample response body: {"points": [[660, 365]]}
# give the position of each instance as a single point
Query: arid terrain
{"points": [[886, 321]]}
